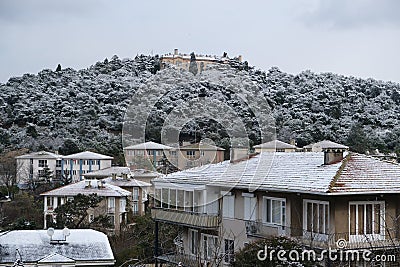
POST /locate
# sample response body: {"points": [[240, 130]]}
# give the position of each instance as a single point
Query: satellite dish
{"points": [[50, 231], [66, 232]]}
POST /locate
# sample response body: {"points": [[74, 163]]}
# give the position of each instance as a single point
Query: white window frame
{"points": [[209, 246], [135, 208], [317, 235], [250, 207], [111, 204], [364, 237], [268, 207], [228, 206], [42, 163], [193, 242]]}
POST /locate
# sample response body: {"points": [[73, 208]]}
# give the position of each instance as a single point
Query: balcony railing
{"points": [[192, 219], [324, 241]]}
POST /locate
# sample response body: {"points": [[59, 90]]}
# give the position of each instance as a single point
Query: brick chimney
{"points": [[333, 155]]}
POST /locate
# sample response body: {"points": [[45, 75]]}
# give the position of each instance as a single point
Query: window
{"points": [[135, 196], [172, 153], [58, 163], [122, 205], [98, 162], [202, 153], [191, 153], [69, 199], [150, 152], [42, 163], [50, 203], [316, 217], [112, 219], [209, 246], [280, 150], [135, 208], [250, 207], [367, 218], [41, 173], [111, 204], [193, 241], [91, 218], [274, 210], [228, 206], [229, 251]]}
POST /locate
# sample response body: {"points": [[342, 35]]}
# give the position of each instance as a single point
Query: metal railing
{"points": [[322, 240]]}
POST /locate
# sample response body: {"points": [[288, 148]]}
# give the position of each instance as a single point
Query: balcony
{"points": [[191, 219], [323, 241]]}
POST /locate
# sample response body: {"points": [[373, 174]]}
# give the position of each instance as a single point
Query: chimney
{"points": [[333, 155], [293, 142], [124, 176], [240, 58], [114, 176], [176, 51], [238, 153]]}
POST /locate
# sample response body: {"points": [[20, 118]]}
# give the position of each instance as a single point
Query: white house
{"points": [[67, 248], [77, 165], [31, 166]]}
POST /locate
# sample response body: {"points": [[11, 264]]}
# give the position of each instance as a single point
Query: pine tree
{"points": [[193, 64], [58, 67]]}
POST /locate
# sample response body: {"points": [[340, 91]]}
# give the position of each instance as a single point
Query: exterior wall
{"points": [[200, 157], [28, 169], [139, 157], [184, 62], [259, 150], [76, 168], [102, 209]]}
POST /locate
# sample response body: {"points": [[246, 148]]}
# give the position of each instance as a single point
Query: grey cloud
{"points": [[352, 13]]}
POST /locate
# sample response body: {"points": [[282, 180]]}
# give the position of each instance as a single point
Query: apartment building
{"points": [[77, 165], [151, 155], [31, 167], [316, 198], [125, 179], [114, 204]]}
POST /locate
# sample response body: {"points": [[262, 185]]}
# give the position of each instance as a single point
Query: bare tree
{"points": [[9, 170]]}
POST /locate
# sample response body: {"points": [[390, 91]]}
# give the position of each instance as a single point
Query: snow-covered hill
{"points": [[71, 110]]}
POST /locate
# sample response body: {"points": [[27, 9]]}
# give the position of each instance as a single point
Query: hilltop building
{"points": [[203, 61]]}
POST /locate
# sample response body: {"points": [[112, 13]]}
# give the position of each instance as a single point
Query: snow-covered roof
{"points": [[106, 190], [87, 155], [83, 245], [149, 145], [275, 144], [295, 172], [200, 146], [143, 173], [326, 144], [108, 172], [40, 155], [361, 173], [126, 182]]}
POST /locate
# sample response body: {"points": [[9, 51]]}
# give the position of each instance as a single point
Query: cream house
{"points": [[275, 146], [114, 203], [316, 198]]}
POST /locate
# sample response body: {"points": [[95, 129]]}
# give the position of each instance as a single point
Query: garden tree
{"points": [[69, 147], [9, 170], [166, 167], [72, 214], [138, 242], [22, 212], [193, 64], [248, 256], [357, 140]]}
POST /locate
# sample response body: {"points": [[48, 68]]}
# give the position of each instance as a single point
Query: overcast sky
{"points": [[350, 37]]}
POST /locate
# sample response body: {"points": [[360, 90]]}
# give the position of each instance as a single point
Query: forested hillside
{"points": [[70, 110]]}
